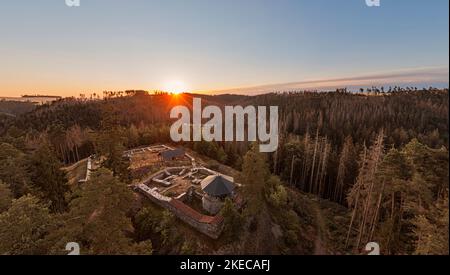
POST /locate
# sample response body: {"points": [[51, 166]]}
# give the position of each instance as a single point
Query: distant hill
{"points": [[32, 99]]}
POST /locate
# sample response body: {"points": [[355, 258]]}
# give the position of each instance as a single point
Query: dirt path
{"points": [[319, 243]]}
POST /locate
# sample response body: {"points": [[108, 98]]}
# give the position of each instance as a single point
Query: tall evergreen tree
{"points": [[98, 219], [24, 226], [255, 173], [48, 177], [5, 197], [13, 169], [232, 221], [363, 196]]}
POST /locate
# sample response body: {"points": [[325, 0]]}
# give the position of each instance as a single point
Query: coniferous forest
{"points": [[351, 168]]}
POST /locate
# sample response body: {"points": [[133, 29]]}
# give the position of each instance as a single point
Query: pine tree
{"points": [[13, 170], [117, 163], [98, 220], [364, 194], [5, 197], [343, 169], [48, 177], [24, 226], [255, 173], [232, 221], [133, 136], [168, 230]]}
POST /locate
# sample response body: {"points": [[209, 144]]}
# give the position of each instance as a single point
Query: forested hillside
{"points": [[350, 168], [14, 108]]}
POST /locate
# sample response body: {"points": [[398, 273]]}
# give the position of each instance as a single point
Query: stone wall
{"points": [[209, 225], [211, 204], [88, 171]]}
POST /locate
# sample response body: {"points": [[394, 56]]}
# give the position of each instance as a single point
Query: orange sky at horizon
{"points": [[426, 76]]}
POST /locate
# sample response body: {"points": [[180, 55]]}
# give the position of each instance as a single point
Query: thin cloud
{"points": [[422, 77]]}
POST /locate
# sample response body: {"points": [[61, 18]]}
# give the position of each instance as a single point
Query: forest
{"points": [[351, 168]]}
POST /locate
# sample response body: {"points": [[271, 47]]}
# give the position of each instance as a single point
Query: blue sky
{"points": [[211, 44]]}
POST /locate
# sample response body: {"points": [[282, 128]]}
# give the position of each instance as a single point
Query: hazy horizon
{"points": [[420, 78]]}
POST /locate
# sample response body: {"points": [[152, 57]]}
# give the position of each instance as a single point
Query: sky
{"points": [[47, 47]]}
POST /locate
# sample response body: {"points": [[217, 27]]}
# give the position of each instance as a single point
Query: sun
{"points": [[176, 87]]}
